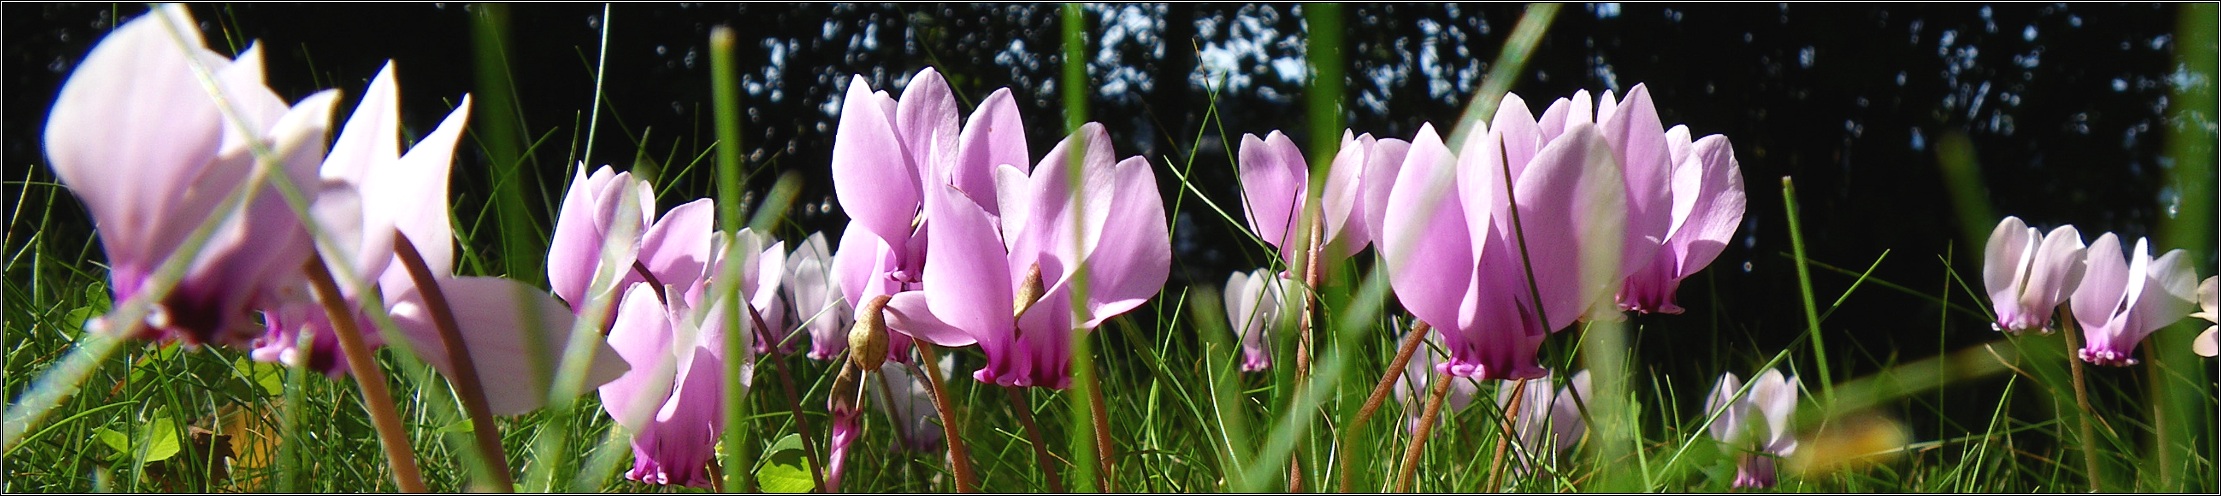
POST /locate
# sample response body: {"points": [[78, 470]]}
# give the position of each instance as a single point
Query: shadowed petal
{"points": [[493, 315]]}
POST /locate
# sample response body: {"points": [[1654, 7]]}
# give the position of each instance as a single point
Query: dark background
{"points": [[2064, 107]]}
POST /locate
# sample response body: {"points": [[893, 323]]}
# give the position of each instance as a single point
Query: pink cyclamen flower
{"points": [[1549, 418], [820, 306], [2121, 301], [1254, 303], [1274, 176], [1417, 381], [2028, 274], [2204, 345], [1756, 425], [885, 154], [673, 398], [1707, 206], [371, 192], [1008, 283], [147, 148], [1458, 261]]}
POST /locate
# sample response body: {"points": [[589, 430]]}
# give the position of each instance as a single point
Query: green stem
{"points": [[1804, 285]]}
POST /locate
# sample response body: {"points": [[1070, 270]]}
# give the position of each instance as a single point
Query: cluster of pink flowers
{"points": [[2117, 297], [1487, 242], [960, 236]]}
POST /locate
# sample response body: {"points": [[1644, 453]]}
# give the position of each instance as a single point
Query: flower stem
{"points": [[794, 403], [1103, 478], [1380, 394], [1310, 320], [1041, 456], [466, 379], [1426, 426], [2081, 399], [966, 481], [1511, 414], [375, 397]]}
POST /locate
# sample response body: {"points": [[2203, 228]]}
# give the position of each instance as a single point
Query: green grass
{"points": [[1182, 416]]}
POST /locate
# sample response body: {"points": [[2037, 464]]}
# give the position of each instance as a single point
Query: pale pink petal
{"points": [[422, 213], [1570, 200], [967, 280], [1638, 140], [1273, 179], [1135, 255], [1344, 223], [994, 136], [1425, 250], [1381, 169], [641, 336], [925, 120], [872, 177]]}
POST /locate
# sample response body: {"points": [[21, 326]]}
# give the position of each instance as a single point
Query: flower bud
{"points": [[867, 340]]}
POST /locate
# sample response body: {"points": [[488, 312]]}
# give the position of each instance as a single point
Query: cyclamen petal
{"points": [[588, 216], [1273, 179]]}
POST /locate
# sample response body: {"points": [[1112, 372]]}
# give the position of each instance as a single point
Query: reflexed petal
{"points": [[677, 248], [422, 212], [2053, 273], [641, 336], [1728, 424], [872, 179], [1381, 168], [1274, 176], [2005, 260], [1571, 200], [1775, 397], [911, 314], [1345, 226], [1135, 255], [1047, 236], [967, 280], [138, 88], [1429, 261], [1638, 140], [994, 136], [925, 121]]}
